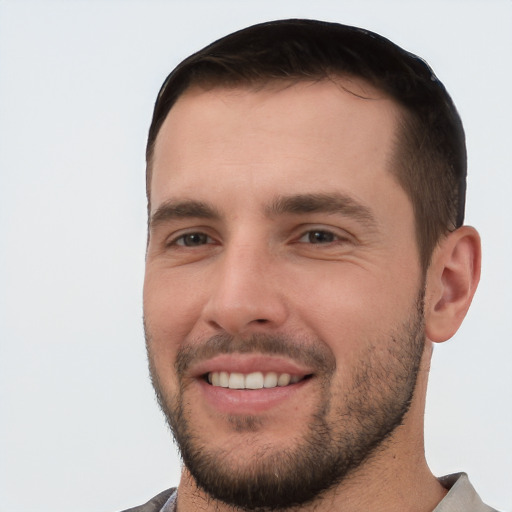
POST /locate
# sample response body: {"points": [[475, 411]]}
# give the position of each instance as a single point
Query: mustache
{"points": [[315, 355]]}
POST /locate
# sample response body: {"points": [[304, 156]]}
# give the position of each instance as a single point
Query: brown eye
{"points": [[193, 240], [318, 236]]}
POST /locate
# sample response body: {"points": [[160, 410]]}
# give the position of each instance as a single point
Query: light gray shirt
{"points": [[461, 496]]}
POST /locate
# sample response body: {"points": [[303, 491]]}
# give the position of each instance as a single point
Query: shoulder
{"points": [[154, 504]]}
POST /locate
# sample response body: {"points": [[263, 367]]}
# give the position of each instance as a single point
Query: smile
{"points": [[253, 380], [251, 384]]}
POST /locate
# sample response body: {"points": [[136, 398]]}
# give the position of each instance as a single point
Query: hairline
{"points": [[270, 83]]}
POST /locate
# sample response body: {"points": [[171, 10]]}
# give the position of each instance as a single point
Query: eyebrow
{"points": [[335, 203], [173, 209], [300, 204]]}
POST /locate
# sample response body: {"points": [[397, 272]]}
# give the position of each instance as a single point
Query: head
{"points": [[429, 161], [304, 183]]}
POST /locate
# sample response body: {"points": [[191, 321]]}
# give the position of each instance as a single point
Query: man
{"points": [[306, 248]]}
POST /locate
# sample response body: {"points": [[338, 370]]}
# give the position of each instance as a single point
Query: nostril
{"points": [[261, 320]]}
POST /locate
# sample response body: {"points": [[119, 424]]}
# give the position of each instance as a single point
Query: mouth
{"points": [[252, 381], [248, 384]]}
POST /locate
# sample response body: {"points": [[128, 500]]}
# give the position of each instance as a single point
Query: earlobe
{"points": [[451, 282]]}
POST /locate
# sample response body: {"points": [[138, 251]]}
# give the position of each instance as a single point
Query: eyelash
{"points": [[320, 235], [181, 240], [311, 236]]}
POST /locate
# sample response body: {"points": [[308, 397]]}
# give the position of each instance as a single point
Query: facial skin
{"points": [[281, 243]]}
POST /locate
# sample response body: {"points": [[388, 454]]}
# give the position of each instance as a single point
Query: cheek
{"points": [[171, 300], [170, 314], [352, 311]]}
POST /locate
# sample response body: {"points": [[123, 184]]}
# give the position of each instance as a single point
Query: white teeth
{"points": [[224, 379], [270, 380], [284, 379], [254, 380], [236, 381]]}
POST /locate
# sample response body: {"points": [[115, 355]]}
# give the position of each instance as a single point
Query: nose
{"points": [[246, 293]]}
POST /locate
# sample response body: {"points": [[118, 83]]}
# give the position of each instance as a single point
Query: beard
{"points": [[347, 427]]}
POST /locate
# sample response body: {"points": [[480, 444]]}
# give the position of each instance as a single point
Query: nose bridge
{"points": [[245, 293]]}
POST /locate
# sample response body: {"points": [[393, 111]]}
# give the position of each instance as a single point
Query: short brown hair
{"points": [[430, 158]]}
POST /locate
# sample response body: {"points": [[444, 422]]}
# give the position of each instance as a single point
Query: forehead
{"points": [[294, 136]]}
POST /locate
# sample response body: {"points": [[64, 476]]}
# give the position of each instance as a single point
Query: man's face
{"points": [[281, 249]]}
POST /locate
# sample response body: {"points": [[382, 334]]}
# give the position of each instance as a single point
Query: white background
{"points": [[79, 427]]}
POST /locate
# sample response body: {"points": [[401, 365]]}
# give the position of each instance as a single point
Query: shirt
{"points": [[461, 496]]}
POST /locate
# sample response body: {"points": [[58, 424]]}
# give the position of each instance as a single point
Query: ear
{"points": [[451, 282]]}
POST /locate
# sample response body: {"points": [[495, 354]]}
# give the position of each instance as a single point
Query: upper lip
{"points": [[249, 363]]}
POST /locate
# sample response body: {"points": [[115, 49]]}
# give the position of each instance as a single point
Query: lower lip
{"points": [[250, 401]]}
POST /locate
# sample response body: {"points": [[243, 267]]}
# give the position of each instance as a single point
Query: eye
{"points": [[192, 240], [319, 236]]}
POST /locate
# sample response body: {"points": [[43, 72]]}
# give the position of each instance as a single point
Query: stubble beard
{"points": [[339, 438]]}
